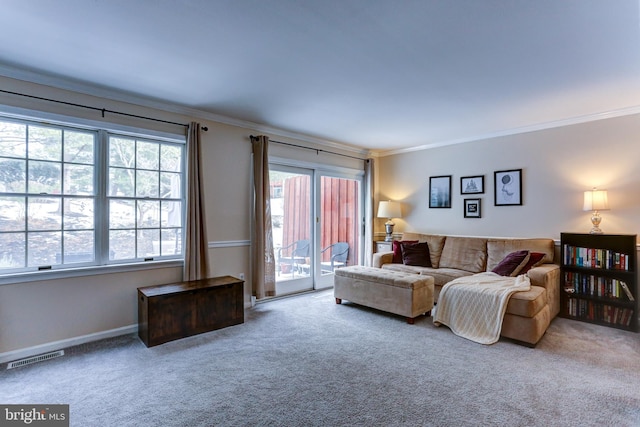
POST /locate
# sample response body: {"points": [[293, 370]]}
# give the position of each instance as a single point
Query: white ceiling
{"points": [[382, 75]]}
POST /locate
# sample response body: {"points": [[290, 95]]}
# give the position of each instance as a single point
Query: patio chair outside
{"points": [[339, 255], [299, 255]]}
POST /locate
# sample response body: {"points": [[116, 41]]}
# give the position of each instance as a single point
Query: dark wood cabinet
{"points": [[599, 279], [178, 310]]}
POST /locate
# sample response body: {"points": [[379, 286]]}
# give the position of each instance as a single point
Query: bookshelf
{"points": [[599, 279]]}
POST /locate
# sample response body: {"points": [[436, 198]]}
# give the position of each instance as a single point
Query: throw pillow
{"points": [[535, 259], [397, 250], [416, 254], [512, 263]]}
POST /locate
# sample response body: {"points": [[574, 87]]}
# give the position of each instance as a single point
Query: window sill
{"points": [[12, 279]]}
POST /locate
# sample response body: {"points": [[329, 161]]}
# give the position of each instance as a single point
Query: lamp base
{"points": [[595, 220], [388, 227]]}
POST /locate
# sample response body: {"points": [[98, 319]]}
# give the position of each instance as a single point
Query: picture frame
{"points": [[472, 184], [507, 187], [472, 208], [440, 191]]}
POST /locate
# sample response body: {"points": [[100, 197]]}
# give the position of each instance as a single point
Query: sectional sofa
{"points": [[528, 313]]}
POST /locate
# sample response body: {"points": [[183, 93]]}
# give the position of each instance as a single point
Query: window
{"points": [[74, 197]]}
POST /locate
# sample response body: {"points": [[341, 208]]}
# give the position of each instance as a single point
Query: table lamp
{"points": [[389, 210], [596, 200]]}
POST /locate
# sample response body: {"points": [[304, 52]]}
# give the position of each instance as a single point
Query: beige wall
{"points": [[558, 165], [40, 315]]}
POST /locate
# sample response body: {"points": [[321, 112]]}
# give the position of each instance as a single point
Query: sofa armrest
{"points": [[548, 277], [381, 258]]}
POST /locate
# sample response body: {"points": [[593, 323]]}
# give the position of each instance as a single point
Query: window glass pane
{"points": [[12, 213], [45, 143], [122, 244], [13, 176], [44, 177], [147, 155], [78, 213], [148, 214], [171, 158], [147, 184], [78, 246], [78, 147], [12, 250], [171, 242], [148, 243], [78, 179], [122, 214], [44, 248], [171, 214], [44, 213], [13, 139], [122, 152], [170, 185], [121, 182]]}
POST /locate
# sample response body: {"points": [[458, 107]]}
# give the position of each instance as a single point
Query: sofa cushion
{"points": [[497, 249], [416, 254], [435, 242], [397, 249], [464, 253], [512, 264], [527, 303]]}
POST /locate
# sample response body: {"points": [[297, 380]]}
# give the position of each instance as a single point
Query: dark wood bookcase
{"points": [[178, 310], [599, 279]]}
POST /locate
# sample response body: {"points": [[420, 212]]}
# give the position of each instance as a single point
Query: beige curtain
{"points": [[369, 179], [196, 264], [263, 264]]}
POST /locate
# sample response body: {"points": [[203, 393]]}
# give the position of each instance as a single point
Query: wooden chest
{"points": [[178, 310]]}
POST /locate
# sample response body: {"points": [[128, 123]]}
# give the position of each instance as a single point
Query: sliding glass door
{"points": [[316, 225], [339, 228], [291, 218]]}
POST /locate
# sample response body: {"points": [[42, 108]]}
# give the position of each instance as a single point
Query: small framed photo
{"points": [[440, 191], [507, 187], [472, 184], [472, 208]]}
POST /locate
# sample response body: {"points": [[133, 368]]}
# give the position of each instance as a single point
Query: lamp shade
{"points": [[596, 200], [389, 209]]}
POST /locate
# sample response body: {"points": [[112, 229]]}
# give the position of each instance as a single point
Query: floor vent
{"points": [[35, 359]]}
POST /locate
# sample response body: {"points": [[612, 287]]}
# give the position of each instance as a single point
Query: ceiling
{"points": [[380, 75]]}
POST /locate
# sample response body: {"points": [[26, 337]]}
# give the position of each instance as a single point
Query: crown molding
{"points": [[63, 83], [515, 131]]}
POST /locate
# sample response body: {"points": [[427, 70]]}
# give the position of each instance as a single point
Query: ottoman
{"points": [[405, 294]]}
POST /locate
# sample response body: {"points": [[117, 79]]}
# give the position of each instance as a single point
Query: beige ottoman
{"points": [[405, 294]]}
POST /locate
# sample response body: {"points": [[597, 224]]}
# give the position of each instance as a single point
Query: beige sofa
{"points": [[528, 313]]}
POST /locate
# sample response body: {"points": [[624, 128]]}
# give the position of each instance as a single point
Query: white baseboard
{"points": [[10, 356]]}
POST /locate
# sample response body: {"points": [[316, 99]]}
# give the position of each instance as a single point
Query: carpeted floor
{"points": [[305, 361]]}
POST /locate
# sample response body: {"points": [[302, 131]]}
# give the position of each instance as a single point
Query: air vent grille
{"points": [[35, 359]]}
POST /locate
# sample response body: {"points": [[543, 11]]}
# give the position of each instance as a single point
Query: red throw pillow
{"points": [[512, 264], [397, 250], [535, 259], [416, 254]]}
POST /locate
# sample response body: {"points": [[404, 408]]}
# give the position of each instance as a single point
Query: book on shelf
{"points": [[595, 258], [596, 286]]}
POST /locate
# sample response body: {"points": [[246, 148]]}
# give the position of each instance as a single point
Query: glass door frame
{"points": [[316, 280], [325, 281], [301, 283]]}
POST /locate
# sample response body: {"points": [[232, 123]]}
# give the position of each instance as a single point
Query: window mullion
{"points": [[102, 202]]}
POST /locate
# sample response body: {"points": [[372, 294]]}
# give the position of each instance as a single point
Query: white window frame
{"points": [[101, 265]]}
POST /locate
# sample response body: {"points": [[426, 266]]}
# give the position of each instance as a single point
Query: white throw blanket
{"points": [[473, 307]]}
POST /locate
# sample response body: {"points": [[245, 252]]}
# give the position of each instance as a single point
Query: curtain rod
{"points": [[317, 150], [103, 110]]}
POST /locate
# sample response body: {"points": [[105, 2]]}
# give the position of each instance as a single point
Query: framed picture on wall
{"points": [[507, 187], [472, 184], [440, 191], [472, 208]]}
